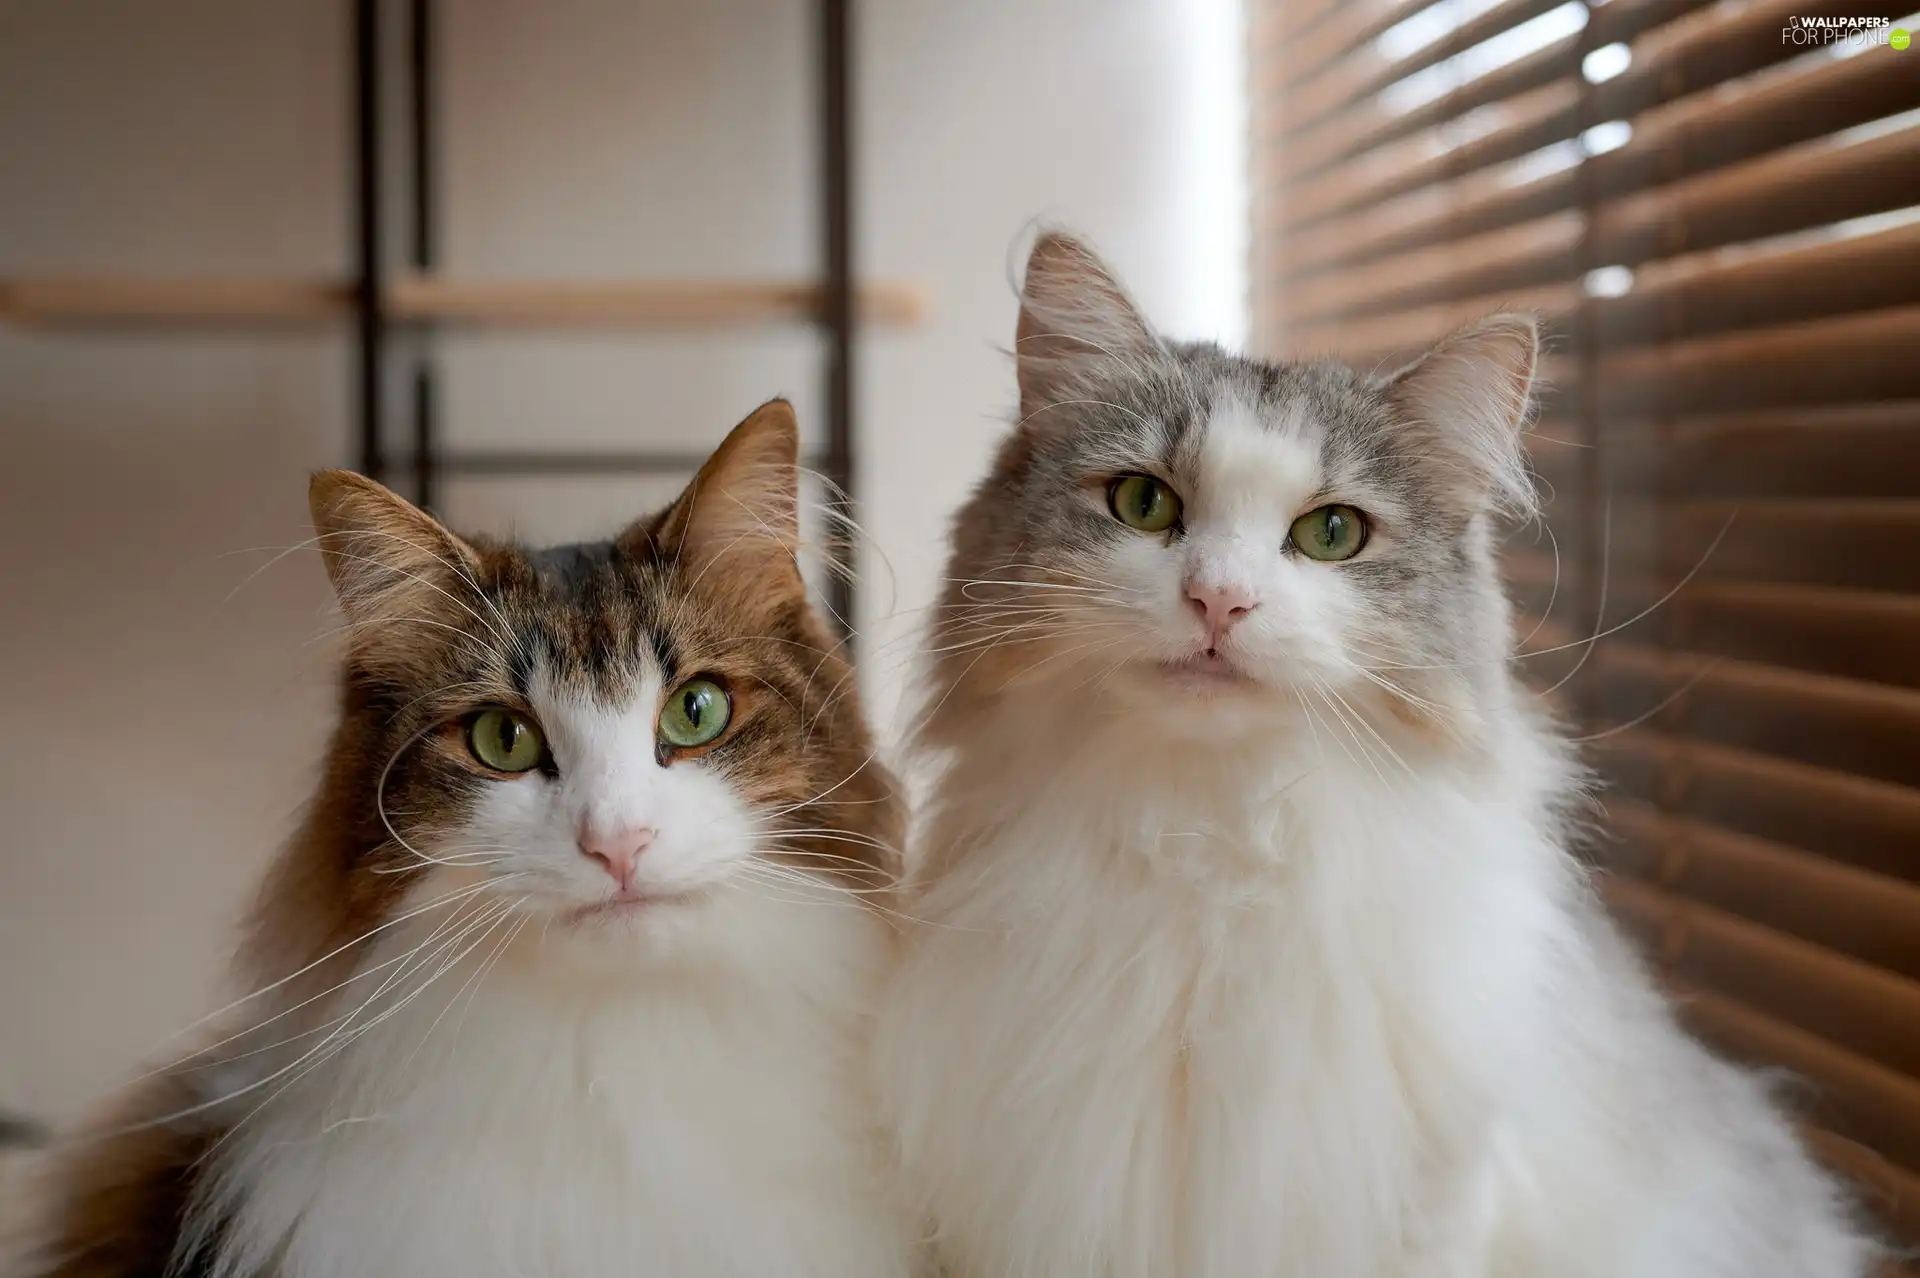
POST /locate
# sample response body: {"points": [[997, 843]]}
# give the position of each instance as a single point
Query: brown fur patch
{"points": [[124, 1193]]}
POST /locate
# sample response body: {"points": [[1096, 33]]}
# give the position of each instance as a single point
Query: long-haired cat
{"points": [[1249, 943], [571, 968]]}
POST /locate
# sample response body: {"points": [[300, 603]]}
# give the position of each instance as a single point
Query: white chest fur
{"points": [[1215, 1034], [675, 1123]]}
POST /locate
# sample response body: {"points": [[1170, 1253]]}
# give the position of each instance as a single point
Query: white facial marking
{"points": [[1251, 474], [1253, 471], [615, 822]]}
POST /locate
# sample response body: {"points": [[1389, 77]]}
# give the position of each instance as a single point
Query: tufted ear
{"points": [[1472, 393], [389, 561], [1074, 315], [740, 517]]}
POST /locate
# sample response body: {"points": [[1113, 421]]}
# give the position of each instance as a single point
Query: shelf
{"points": [[667, 305], [639, 304], [56, 300]]}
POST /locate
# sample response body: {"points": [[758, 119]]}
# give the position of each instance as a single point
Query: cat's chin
{"points": [[1204, 701], [611, 932], [630, 910], [1206, 674]]}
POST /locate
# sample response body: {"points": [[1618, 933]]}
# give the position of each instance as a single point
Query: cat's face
{"points": [[1207, 537], [610, 738]]}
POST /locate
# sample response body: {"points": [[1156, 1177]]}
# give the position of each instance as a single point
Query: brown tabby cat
{"points": [[567, 970]]}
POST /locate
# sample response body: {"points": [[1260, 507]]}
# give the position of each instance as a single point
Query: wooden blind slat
{"points": [[1855, 634], [1697, 295], [1860, 821], [1353, 25], [1344, 134], [1854, 1006], [1698, 52], [1474, 202], [1872, 917], [1498, 131], [1359, 339], [1304, 16], [1845, 450], [1851, 1097], [1830, 721], [1793, 190], [1556, 61], [1424, 163], [1542, 252], [1838, 360], [1850, 634], [1776, 541], [1892, 1195], [1343, 83], [1849, 725], [1712, 293], [1781, 193], [1366, 73], [1789, 542], [1701, 295], [1814, 97]]}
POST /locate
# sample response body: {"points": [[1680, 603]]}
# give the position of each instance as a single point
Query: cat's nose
{"points": [[617, 852], [1220, 606]]}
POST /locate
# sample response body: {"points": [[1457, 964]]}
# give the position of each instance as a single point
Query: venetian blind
{"points": [[1717, 208]]}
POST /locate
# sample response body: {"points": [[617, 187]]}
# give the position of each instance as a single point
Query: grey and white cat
{"points": [[1249, 940]]}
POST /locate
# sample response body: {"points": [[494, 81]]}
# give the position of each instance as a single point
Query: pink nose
{"points": [[618, 853], [1220, 606]]}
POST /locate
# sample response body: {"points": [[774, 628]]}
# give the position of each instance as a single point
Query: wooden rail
{"points": [[646, 304]]}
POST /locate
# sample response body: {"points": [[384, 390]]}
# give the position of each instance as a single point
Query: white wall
{"points": [[158, 736], [155, 735]]}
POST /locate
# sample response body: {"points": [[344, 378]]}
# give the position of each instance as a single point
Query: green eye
{"points": [[1330, 533], [696, 712], [1143, 502], [505, 741]]}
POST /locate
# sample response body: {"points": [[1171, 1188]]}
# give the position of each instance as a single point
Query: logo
{"points": [[1859, 33]]}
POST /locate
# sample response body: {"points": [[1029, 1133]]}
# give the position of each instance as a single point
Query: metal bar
{"points": [[20, 1132], [425, 216], [369, 312], [836, 192], [427, 461], [420, 118]]}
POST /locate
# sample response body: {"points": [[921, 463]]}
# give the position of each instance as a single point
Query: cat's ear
{"points": [[1472, 393], [738, 522], [1074, 317], [390, 562]]}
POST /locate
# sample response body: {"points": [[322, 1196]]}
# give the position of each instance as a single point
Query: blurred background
{"points": [[628, 211], [529, 261]]}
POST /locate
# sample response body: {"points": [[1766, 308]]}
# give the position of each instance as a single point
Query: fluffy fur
{"points": [[474, 1048], [1256, 948]]}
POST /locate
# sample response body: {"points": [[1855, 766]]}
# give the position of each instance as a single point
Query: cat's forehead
{"points": [[585, 619], [1292, 428], [565, 568], [1249, 452]]}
